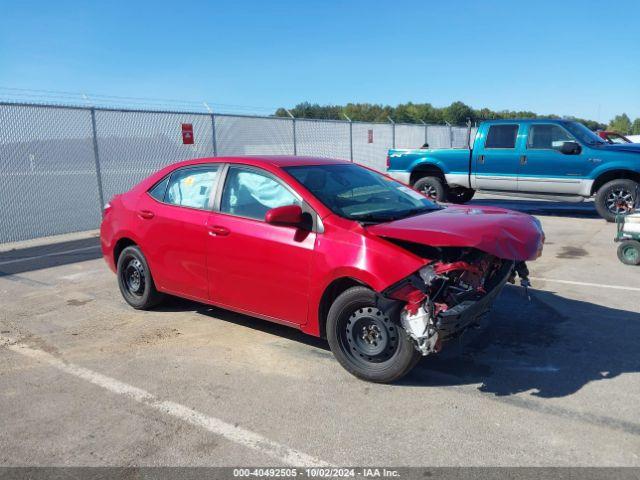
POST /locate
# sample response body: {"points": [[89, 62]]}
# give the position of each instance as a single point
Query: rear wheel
{"points": [[460, 195], [629, 252], [432, 187], [135, 281], [366, 341], [616, 197]]}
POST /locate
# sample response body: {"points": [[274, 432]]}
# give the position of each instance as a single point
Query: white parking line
{"points": [[52, 254], [586, 284], [214, 425]]}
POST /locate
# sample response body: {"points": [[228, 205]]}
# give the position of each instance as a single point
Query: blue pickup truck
{"points": [[541, 157]]}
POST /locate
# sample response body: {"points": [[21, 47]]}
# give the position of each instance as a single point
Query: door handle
{"points": [[481, 159], [217, 231], [146, 214], [523, 159]]}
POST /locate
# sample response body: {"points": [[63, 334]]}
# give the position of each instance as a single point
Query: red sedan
{"points": [[326, 246]]}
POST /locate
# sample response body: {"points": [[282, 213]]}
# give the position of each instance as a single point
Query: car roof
{"points": [[279, 161]]}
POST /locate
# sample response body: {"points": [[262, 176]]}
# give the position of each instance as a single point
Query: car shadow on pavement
{"points": [[542, 207], [175, 304], [529, 346], [523, 345]]}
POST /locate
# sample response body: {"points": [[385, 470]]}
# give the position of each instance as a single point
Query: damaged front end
{"points": [[448, 295]]}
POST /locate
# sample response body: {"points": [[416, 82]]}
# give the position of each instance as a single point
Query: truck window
{"points": [[501, 136], [548, 137]]}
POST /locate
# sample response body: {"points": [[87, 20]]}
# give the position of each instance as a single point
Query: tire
{"points": [[432, 187], [460, 195], [135, 280], [385, 355], [629, 252], [616, 197]]}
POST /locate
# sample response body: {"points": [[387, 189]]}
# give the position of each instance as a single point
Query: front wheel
{"points": [[432, 187], [366, 341], [629, 252], [616, 197]]}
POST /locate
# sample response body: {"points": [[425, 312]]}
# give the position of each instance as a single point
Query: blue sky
{"points": [[568, 57]]}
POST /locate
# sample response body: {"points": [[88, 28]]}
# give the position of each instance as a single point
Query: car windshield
{"points": [[357, 193], [617, 138], [583, 134]]}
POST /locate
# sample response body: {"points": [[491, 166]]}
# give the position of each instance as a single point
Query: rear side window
{"points": [[501, 136], [191, 187], [157, 192]]}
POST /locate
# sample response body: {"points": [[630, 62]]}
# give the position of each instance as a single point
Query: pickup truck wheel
{"points": [[616, 197], [366, 341], [432, 187], [135, 281], [460, 195]]}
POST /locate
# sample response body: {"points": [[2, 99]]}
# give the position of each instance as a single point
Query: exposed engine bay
{"points": [[449, 294]]}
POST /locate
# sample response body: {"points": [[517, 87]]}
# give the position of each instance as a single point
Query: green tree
{"points": [[621, 124], [404, 113], [635, 128], [429, 114], [458, 113]]}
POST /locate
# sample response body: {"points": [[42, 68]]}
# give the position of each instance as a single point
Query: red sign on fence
{"points": [[370, 136], [187, 133]]}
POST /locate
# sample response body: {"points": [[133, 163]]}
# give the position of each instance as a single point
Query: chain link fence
{"points": [[59, 164]]}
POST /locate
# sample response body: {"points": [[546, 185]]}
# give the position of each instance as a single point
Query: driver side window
{"points": [[550, 137], [249, 193]]}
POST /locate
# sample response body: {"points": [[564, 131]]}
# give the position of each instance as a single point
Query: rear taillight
{"points": [[388, 161]]}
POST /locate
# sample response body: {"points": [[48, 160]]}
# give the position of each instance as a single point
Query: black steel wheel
{"points": [[370, 335], [134, 277], [368, 342], [616, 197], [135, 280]]}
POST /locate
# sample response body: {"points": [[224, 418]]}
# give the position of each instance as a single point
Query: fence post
{"points": [[468, 133], [96, 157], [426, 137], [393, 132], [213, 133], [350, 137], [213, 128], [450, 134], [295, 146]]}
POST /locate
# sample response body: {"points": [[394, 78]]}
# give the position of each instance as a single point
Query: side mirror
{"points": [[571, 148], [290, 215]]}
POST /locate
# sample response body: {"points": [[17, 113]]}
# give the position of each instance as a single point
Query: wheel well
{"points": [[426, 170], [614, 175], [120, 246], [332, 292]]}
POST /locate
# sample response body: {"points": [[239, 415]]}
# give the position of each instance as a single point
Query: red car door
{"points": [[254, 266], [175, 237]]}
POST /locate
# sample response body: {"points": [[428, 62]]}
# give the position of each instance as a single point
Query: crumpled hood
{"points": [[504, 233]]}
